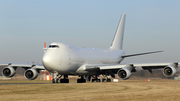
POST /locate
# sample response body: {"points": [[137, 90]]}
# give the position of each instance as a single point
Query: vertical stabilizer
{"points": [[117, 43]]}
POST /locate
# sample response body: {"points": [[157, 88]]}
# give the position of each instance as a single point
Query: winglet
{"points": [[117, 43]]}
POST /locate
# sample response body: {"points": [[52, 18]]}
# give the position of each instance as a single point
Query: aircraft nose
{"points": [[46, 60]]}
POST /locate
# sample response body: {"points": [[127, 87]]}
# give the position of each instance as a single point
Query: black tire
{"points": [[93, 80], [81, 80], [61, 80], [53, 81], [57, 80], [78, 80], [66, 80], [108, 80], [84, 80], [96, 80]]}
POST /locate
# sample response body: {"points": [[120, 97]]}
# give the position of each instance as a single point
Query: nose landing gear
{"points": [[56, 78]]}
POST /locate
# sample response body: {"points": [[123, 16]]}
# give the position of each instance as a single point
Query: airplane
{"points": [[62, 60]]}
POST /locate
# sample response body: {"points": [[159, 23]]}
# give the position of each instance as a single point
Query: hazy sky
{"points": [[150, 25]]}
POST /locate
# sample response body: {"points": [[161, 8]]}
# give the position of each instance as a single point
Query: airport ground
{"points": [[128, 90]]}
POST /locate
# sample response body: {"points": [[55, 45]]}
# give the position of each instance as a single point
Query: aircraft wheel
{"points": [[57, 80], [81, 80], [93, 80], [61, 80], [103, 80], [108, 80], [66, 80], [84, 80], [78, 80], [53, 81], [96, 80]]}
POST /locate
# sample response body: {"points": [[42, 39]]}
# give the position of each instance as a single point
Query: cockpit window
{"points": [[53, 46]]}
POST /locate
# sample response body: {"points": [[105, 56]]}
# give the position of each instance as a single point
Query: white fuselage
{"points": [[67, 59]]}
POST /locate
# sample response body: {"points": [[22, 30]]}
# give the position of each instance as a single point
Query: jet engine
{"points": [[169, 71], [124, 74], [31, 74], [8, 71]]}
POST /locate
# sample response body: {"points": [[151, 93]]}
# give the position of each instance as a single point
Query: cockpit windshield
{"points": [[53, 46]]}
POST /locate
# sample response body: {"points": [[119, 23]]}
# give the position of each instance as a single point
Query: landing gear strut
{"points": [[55, 77]]}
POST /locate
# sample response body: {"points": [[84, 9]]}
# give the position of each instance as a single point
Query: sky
{"points": [[150, 25]]}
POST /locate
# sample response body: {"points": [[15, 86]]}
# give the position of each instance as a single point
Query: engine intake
{"points": [[124, 74], [31, 74], [8, 71], [169, 71]]}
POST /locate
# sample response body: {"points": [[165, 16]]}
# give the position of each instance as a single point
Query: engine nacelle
{"points": [[124, 74], [31, 74], [8, 71], [169, 71]]}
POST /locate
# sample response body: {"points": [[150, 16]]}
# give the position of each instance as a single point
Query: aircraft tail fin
{"points": [[117, 43]]}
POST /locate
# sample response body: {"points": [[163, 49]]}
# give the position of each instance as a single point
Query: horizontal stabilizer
{"points": [[129, 55]]}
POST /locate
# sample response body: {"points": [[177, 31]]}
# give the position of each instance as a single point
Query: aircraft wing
{"points": [[31, 70], [143, 65], [124, 70], [119, 66]]}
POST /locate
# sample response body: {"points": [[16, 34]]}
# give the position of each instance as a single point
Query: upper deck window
{"points": [[53, 46]]}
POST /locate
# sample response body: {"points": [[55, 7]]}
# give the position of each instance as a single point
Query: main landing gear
{"points": [[65, 79], [96, 79], [106, 78], [82, 80], [57, 78]]}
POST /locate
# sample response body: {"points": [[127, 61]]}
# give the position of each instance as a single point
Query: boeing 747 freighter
{"points": [[63, 59]]}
